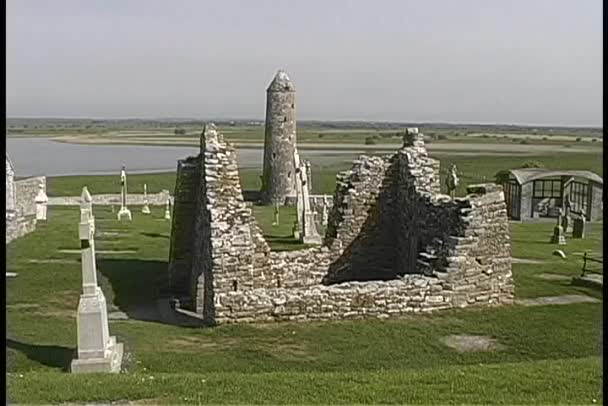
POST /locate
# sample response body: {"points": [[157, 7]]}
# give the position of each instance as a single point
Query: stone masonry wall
{"points": [[393, 245], [25, 193], [184, 211]]}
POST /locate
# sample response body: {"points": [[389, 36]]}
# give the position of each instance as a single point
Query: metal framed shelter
{"points": [[535, 193]]}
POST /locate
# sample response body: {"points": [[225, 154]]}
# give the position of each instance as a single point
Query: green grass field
{"points": [[548, 354]]}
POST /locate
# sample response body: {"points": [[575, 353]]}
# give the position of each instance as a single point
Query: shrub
{"points": [[524, 141], [180, 131], [442, 137], [370, 141], [485, 136], [545, 138], [578, 139], [532, 164], [593, 139], [320, 135]]}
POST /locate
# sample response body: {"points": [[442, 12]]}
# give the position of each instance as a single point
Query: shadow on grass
{"points": [[51, 355], [155, 235], [136, 287]]}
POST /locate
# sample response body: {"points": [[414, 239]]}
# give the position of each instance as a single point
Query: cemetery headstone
{"points": [[97, 350], [41, 201], [146, 208], [124, 212]]}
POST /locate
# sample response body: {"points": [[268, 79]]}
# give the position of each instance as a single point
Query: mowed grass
{"points": [[548, 354]]}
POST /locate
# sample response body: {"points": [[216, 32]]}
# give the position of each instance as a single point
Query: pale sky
{"points": [[463, 61]]}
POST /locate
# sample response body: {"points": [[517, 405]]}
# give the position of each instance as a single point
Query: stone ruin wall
{"points": [[20, 204], [393, 245], [25, 194]]}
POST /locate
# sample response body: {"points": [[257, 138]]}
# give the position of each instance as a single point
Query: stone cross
{"points": [[124, 211], [168, 209], [306, 218], [297, 225], [452, 181], [558, 231], [276, 213], [41, 201], [146, 208], [97, 350]]}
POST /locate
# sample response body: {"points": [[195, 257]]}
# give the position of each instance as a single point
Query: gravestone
{"points": [[124, 212], [146, 208], [452, 181], [309, 233], [578, 227], [168, 209], [324, 213], [41, 201], [97, 350], [558, 231], [308, 176], [276, 213]]}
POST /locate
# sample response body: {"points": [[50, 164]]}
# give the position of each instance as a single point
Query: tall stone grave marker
{"points": [[168, 209], [41, 201], [97, 350], [558, 231], [124, 212], [306, 217], [146, 208], [324, 214]]}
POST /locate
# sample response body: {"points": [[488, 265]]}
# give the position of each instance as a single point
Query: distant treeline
{"points": [[20, 124]]}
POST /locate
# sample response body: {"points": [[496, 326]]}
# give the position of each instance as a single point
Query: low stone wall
{"points": [[349, 300], [154, 199], [25, 194]]}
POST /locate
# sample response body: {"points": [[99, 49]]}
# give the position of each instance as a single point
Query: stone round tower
{"points": [[278, 178]]}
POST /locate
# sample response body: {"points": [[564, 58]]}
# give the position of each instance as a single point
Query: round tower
{"points": [[278, 177]]}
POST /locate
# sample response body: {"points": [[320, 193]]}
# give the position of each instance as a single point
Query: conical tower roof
{"points": [[281, 83]]}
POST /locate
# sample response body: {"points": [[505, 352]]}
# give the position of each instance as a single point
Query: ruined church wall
{"points": [[459, 249], [26, 191], [184, 211]]}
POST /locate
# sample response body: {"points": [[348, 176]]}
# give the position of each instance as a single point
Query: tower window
{"points": [[274, 155], [285, 119], [293, 105], [235, 285]]}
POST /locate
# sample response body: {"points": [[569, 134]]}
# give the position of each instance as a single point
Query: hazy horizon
{"points": [[529, 63]]}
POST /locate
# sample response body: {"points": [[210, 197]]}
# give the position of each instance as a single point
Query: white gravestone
{"points": [[11, 199], [168, 209], [306, 217], [146, 208], [97, 350], [124, 211], [41, 201]]}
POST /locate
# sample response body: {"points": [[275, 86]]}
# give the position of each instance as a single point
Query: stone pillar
{"points": [[324, 214], [146, 208], [41, 201], [278, 178], [124, 211], [97, 350], [11, 196], [308, 176]]}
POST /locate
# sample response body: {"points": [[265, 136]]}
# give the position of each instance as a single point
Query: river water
{"points": [[42, 156]]}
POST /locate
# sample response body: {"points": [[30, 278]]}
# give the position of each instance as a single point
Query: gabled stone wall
{"points": [[393, 245]]}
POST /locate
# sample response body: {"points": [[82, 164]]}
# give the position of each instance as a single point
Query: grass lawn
{"points": [[547, 354]]}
